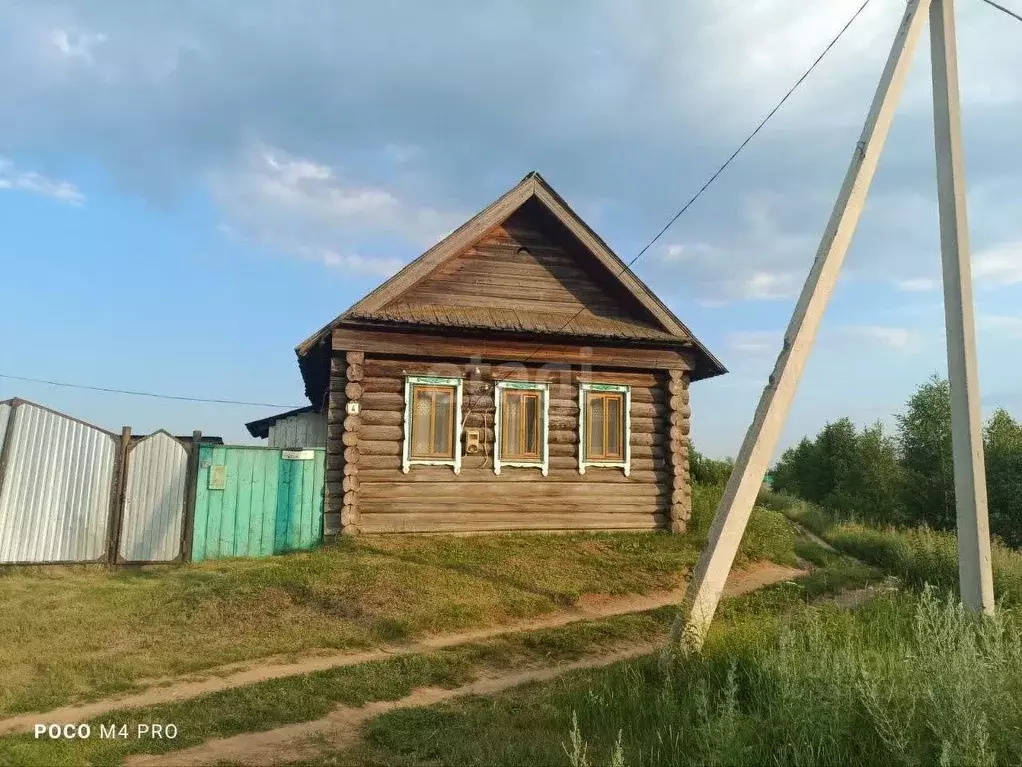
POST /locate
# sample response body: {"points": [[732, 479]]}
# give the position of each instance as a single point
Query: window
{"points": [[432, 422], [521, 426], [604, 426]]}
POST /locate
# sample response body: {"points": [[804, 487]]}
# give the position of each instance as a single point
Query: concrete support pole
{"points": [[732, 514], [974, 569]]}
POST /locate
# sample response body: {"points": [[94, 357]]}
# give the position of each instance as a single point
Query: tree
{"points": [[1003, 447], [851, 473], [709, 471], [871, 487], [795, 472], [924, 442]]}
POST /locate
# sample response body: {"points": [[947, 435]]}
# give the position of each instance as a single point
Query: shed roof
{"points": [[261, 428]]}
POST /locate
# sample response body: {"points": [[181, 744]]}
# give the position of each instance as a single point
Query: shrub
{"points": [[909, 479], [709, 471], [900, 681]]}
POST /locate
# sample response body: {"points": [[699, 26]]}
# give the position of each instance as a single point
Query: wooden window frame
{"points": [[542, 462], [407, 459], [584, 461]]}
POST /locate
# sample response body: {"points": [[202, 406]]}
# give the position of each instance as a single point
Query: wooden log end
{"points": [[349, 516], [355, 358], [353, 390]]}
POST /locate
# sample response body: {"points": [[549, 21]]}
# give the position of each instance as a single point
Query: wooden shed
{"points": [[516, 376]]}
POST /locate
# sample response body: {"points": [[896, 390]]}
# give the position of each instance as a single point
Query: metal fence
{"points": [[71, 492], [56, 483], [152, 520]]}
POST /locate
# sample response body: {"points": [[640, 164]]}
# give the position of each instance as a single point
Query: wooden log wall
{"points": [[372, 494], [680, 426], [343, 445]]}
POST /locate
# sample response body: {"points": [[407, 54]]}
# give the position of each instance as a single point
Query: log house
{"points": [[516, 376]]}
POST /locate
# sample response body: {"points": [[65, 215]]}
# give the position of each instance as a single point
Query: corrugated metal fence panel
{"points": [[268, 505], [55, 499], [5, 414], [154, 500], [298, 431]]}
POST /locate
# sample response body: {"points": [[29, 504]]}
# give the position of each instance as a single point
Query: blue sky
{"points": [[188, 191]]}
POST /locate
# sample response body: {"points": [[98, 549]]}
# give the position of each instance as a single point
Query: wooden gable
{"points": [[526, 264], [529, 274]]}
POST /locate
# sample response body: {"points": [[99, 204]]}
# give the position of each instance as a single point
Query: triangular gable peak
{"points": [[578, 285], [527, 273]]}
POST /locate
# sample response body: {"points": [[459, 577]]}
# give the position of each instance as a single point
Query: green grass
{"points": [[918, 556], [77, 633], [280, 702], [903, 680]]}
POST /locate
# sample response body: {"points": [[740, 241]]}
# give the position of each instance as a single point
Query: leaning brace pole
{"points": [[974, 571], [732, 515]]}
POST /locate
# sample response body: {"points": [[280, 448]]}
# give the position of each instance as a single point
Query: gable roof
{"points": [[378, 305]]}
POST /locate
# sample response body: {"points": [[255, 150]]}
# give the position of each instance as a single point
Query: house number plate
{"points": [[217, 477]]}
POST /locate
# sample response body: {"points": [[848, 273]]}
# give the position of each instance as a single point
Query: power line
{"points": [[1005, 10], [724, 166], [146, 393]]}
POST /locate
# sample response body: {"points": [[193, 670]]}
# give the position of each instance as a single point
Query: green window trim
{"points": [[407, 460], [583, 416], [543, 462]]}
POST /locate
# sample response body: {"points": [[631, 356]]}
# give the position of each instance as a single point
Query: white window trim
{"points": [[626, 464], [544, 463], [406, 451]]}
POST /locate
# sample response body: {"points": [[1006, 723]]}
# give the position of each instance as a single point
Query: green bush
{"points": [[854, 474], [907, 479], [709, 471], [899, 681]]}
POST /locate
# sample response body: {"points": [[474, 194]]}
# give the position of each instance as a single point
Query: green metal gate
{"points": [[257, 501]]}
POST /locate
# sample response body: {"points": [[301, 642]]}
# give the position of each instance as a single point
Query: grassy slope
{"points": [[908, 679], [901, 680], [918, 556], [80, 633], [279, 702]]}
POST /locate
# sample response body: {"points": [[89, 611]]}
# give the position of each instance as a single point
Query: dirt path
{"points": [[238, 675], [342, 726]]}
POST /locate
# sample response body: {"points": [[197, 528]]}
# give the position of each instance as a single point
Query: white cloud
{"points": [[901, 339], [305, 208], [1002, 324], [916, 285], [36, 183], [755, 341], [762, 260], [999, 265], [76, 44]]}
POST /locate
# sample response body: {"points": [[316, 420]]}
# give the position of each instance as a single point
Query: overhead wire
{"points": [[720, 170], [998, 6], [627, 267], [154, 395]]}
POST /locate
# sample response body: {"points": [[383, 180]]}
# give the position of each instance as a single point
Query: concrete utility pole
{"points": [[974, 571], [704, 590]]}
